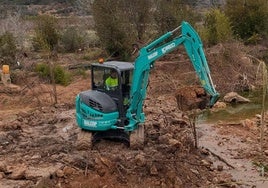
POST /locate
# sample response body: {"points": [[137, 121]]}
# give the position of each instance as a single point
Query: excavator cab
{"points": [[102, 110], [114, 78], [109, 96]]}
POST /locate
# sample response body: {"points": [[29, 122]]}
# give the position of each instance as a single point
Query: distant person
{"points": [[111, 82]]}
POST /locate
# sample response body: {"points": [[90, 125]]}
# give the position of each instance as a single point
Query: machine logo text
{"points": [[168, 47], [151, 56]]}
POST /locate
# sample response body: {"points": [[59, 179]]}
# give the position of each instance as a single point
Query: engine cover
{"points": [[98, 101]]}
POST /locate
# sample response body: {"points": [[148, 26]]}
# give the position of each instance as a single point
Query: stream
{"points": [[228, 146]]}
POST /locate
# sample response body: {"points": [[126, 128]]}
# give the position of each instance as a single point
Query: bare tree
{"points": [[112, 26], [169, 14], [138, 13], [46, 39]]}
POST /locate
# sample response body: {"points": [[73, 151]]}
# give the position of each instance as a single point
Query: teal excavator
{"points": [[117, 113]]}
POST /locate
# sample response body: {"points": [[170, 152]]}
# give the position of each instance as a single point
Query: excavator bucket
{"points": [[191, 98]]}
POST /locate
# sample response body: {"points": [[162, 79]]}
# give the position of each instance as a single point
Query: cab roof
{"points": [[120, 65]]}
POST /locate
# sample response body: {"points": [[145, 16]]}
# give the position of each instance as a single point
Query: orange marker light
{"points": [[101, 60]]}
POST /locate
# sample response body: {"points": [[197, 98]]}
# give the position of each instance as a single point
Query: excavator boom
{"points": [[157, 49]]}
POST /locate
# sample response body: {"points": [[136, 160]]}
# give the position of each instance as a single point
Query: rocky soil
{"points": [[37, 139]]}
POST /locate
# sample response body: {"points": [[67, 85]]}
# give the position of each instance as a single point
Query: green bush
{"points": [[248, 17], [46, 34], [254, 39], [72, 40], [217, 27], [61, 76], [8, 49], [43, 70]]}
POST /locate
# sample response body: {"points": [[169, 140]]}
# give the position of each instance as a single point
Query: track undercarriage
{"points": [[134, 140]]}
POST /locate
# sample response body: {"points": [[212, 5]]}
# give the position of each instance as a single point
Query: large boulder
{"points": [[234, 97]]}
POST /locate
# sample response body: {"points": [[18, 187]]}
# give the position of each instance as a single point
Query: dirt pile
{"points": [[191, 97]]}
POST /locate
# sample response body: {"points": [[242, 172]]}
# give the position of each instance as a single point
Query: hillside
{"points": [[199, 3], [70, 7]]}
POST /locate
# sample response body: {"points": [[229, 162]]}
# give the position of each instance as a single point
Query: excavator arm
{"points": [[157, 49]]}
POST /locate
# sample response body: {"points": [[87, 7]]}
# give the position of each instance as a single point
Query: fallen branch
{"points": [[66, 163], [120, 173], [220, 158]]}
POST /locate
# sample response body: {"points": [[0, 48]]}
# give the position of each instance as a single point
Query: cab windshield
{"points": [[107, 79]]}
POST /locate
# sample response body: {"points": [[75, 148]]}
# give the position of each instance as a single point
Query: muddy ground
{"points": [[37, 139]]}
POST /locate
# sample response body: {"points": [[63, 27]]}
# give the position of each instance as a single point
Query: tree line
{"points": [[120, 24], [124, 22]]}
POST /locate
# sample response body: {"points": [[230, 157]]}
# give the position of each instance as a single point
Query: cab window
{"points": [[98, 74]]}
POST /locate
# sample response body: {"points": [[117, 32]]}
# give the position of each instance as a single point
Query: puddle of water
{"points": [[232, 113], [236, 112]]}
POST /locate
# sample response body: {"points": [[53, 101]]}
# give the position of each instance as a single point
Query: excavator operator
{"points": [[111, 82]]}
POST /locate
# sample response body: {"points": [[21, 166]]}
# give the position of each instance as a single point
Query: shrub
{"points": [[43, 70], [92, 40], [46, 34], [8, 49], [61, 76], [217, 27], [248, 17], [72, 40]]}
